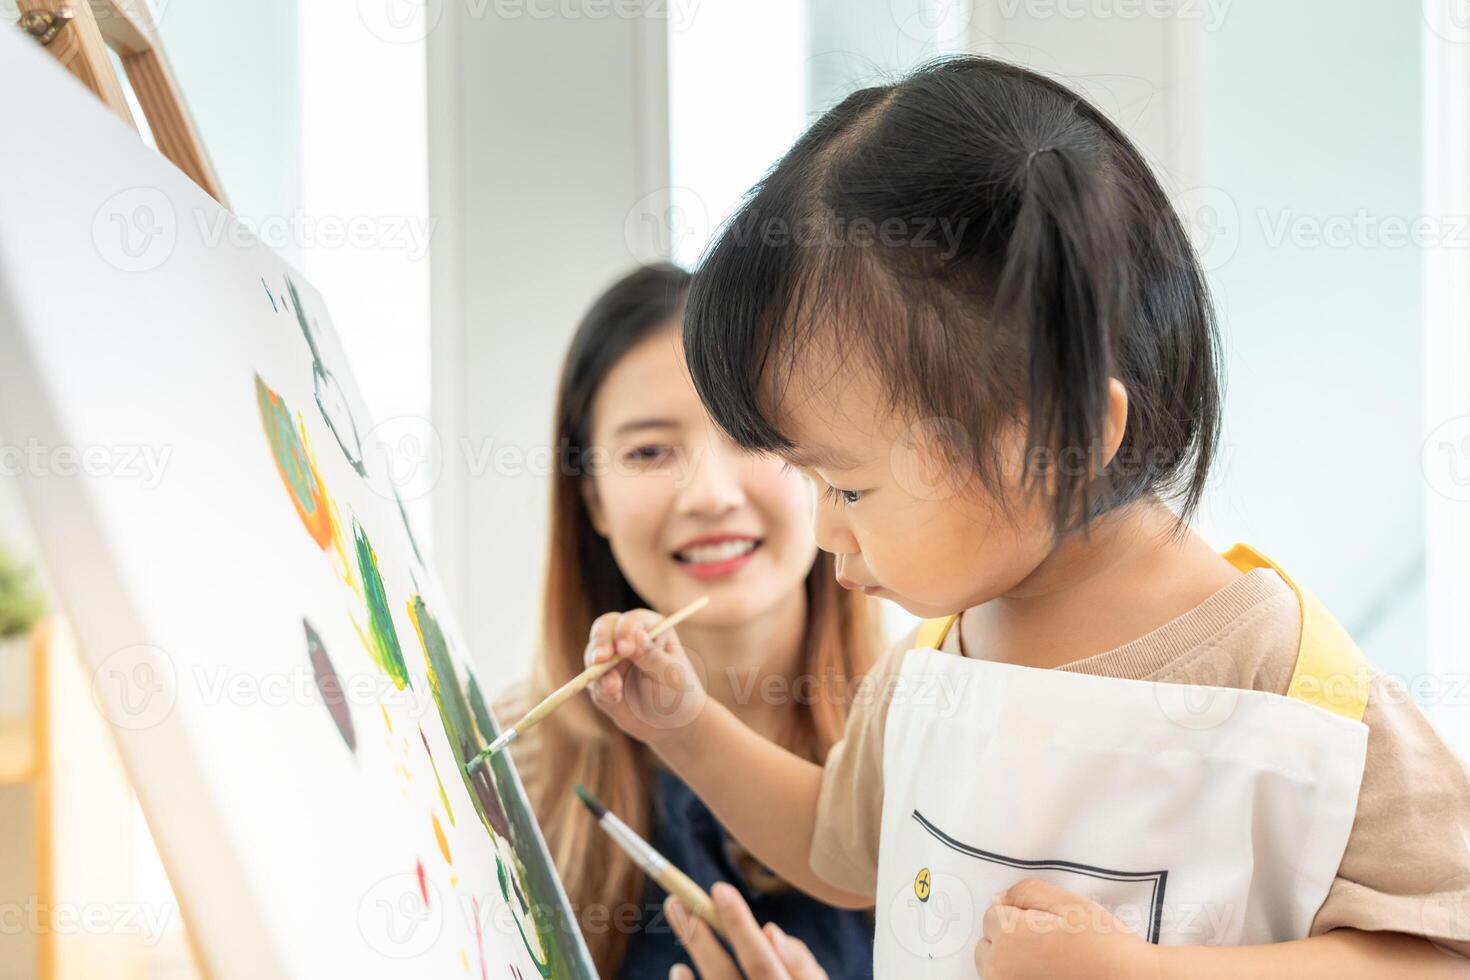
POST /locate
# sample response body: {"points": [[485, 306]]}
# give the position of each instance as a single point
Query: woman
{"points": [[654, 506]]}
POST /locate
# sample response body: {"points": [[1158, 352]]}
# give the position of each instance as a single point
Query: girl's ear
{"points": [[1116, 421], [594, 506]]}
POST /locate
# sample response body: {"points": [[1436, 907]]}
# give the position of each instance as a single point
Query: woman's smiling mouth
{"points": [[717, 555]]}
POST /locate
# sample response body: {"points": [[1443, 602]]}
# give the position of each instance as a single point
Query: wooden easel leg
{"points": [[80, 32], [76, 41]]}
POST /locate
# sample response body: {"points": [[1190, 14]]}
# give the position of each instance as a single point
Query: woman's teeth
{"points": [[708, 554]]}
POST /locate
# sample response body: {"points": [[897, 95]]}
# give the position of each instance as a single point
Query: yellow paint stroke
{"points": [[464, 960], [386, 720], [439, 836], [443, 796], [321, 528], [334, 545], [294, 463], [413, 616]]}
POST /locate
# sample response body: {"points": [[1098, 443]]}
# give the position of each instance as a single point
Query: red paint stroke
{"points": [[479, 937], [423, 883]]}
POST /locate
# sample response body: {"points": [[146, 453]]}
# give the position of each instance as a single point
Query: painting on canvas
{"points": [[277, 659]]}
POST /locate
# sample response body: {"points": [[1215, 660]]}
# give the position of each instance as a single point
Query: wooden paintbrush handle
{"points": [[691, 896], [580, 683]]}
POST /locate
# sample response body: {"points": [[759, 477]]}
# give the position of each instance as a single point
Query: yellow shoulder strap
{"points": [[933, 631], [1331, 672]]}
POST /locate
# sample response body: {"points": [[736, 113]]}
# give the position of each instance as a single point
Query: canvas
{"points": [[288, 688]]}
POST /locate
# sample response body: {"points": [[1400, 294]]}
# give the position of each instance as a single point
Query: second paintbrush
{"points": [[654, 864], [574, 687]]}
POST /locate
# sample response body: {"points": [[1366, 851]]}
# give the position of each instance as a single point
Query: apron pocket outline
{"points": [[1157, 879]]}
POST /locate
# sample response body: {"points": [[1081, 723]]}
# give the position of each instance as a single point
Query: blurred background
{"points": [[460, 177]]}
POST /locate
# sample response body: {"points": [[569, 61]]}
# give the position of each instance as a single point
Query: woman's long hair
{"points": [[578, 744]]}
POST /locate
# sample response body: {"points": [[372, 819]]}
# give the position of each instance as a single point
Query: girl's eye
{"points": [[848, 497]]}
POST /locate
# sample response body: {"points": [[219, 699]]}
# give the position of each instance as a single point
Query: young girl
{"points": [[964, 308], [655, 506]]}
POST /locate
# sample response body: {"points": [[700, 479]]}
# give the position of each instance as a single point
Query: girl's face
{"points": [[903, 521], [685, 511]]}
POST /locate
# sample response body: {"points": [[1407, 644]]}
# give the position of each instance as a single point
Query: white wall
{"points": [[1445, 44], [548, 142], [1310, 157], [239, 71], [364, 190]]}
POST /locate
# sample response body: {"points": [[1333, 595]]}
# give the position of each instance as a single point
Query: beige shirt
{"points": [[1407, 863]]}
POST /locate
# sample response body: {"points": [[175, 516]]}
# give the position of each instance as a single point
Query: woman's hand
{"points": [[655, 692], [763, 954]]}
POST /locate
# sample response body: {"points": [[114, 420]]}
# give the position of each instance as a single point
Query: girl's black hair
{"points": [[995, 249]]}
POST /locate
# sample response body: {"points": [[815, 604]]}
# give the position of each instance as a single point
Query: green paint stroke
{"points": [[443, 796], [459, 725], [381, 639], [469, 726]]}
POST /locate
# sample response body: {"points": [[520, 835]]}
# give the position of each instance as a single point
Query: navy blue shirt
{"points": [[685, 832]]}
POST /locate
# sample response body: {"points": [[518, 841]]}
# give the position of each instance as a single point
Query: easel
{"points": [[79, 32], [67, 761]]}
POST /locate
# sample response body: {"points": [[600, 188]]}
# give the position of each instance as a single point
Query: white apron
{"points": [[1196, 815]]}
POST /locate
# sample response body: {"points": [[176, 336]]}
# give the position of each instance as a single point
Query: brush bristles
{"points": [[591, 802]]}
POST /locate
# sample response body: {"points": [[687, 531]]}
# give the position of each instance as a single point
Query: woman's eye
{"points": [[848, 497], [647, 454]]}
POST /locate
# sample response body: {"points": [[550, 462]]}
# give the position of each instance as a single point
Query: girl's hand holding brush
{"points": [[655, 693]]}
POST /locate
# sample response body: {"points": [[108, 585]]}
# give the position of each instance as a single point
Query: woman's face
{"points": [[687, 513]]}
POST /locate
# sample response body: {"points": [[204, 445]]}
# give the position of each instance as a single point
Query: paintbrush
{"points": [[654, 864], [574, 687]]}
